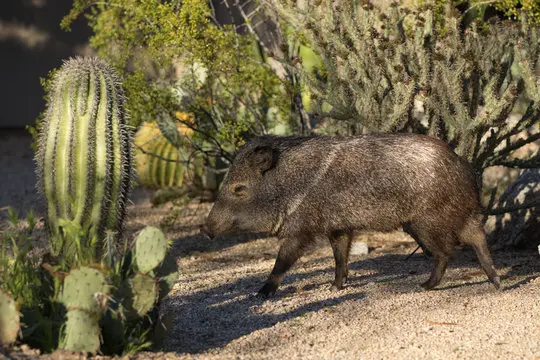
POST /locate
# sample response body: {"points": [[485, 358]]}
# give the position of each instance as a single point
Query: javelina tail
{"points": [[473, 235]]}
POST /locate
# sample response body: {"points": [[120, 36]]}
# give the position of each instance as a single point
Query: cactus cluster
{"points": [[10, 323], [84, 151], [397, 69], [88, 295]]}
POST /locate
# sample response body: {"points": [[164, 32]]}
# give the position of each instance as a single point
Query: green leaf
{"points": [[13, 218]]}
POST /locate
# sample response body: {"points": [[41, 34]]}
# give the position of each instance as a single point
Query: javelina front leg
{"points": [[341, 245], [289, 252]]}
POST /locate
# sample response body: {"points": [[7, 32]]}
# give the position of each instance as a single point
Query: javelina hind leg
{"points": [[289, 252], [441, 261], [473, 234], [439, 242], [409, 230], [341, 245]]}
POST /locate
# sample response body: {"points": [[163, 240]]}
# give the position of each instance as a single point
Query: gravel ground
{"points": [[382, 313], [18, 178]]}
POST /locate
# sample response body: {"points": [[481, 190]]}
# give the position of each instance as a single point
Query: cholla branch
{"points": [[380, 65], [509, 209]]}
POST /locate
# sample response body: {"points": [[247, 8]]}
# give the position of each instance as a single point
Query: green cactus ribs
{"points": [[84, 150]]}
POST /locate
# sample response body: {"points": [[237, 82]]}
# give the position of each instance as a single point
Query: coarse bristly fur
{"points": [[300, 188]]}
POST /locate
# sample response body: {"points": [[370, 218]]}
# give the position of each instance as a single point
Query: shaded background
{"points": [[31, 44]]}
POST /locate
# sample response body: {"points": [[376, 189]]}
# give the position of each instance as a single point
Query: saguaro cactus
{"points": [[84, 151]]}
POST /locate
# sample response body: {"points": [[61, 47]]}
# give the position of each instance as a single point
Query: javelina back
{"points": [[300, 188]]}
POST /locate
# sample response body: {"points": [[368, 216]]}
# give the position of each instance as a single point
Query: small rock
{"points": [[538, 249], [359, 248]]}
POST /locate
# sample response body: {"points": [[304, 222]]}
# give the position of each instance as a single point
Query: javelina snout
{"points": [[300, 188]]}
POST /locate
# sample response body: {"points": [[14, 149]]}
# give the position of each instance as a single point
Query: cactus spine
{"points": [[84, 150]]}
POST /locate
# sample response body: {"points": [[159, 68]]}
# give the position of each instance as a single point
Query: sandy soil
{"points": [[382, 313]]}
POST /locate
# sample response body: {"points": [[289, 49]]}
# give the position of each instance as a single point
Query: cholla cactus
{"points": [[84, 151], [399, 71]]}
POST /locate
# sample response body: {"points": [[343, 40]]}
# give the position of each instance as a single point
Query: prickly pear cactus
{"points": [[86, 289], [151, 246], [167, 273], [9, 319], [142, 295], [84, 150], [81, 332], [85, 293]]}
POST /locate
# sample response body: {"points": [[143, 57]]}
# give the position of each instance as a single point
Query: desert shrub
{"points": [[175, 57]]}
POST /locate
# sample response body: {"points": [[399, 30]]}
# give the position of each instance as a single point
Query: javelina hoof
{"points": [[496, 281], [428, 285], [267, 290], [336, 287]]}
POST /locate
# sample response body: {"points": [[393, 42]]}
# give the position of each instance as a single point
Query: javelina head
{"points": [[245, 201]]}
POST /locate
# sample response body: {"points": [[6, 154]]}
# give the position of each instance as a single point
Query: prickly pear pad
{"points": [[9, 319], [142, 294], [151, 246], [85, 288], [167, 274], [81, 332]]}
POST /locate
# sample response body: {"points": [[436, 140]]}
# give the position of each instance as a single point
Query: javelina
{"points": [[300, 188]]}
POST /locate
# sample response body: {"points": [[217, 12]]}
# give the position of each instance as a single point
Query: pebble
{"points": [[359, 248]]}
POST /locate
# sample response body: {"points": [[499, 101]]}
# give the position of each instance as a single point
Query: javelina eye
{"points": [[240, 190]]}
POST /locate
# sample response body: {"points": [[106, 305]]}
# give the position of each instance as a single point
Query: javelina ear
{"points": [[263, 157]]}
